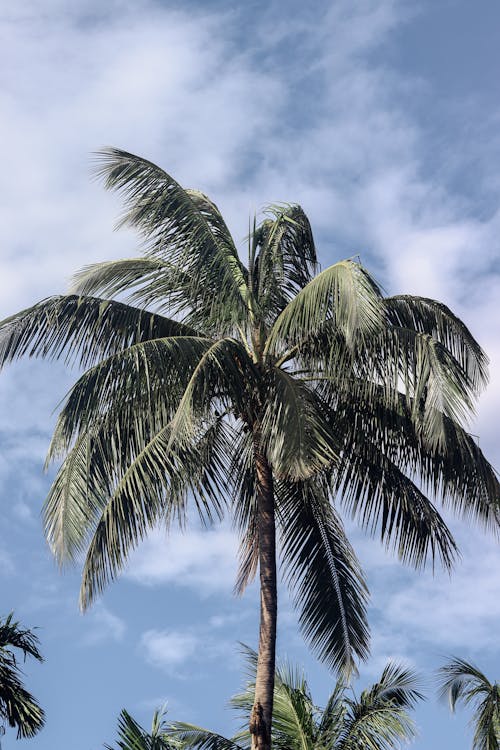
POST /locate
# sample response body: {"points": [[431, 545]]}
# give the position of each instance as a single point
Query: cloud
{"points": [[169, 649], [103, 626], [420, 616], [203, 560]]}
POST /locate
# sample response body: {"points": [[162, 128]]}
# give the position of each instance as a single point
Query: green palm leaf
{"points": [[344, 295], [323, 573], [18, 708], [81, 329], [461, 681], [298, 443], [133, 737], [185, 229]]}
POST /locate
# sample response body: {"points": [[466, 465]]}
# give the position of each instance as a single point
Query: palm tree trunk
{"points": [[260, 719]]}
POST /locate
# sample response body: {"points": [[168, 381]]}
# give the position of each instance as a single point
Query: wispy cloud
{"points": [[204, 560], [102, 626], [169, 649]]}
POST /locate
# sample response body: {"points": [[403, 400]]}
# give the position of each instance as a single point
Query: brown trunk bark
{"points": [[261, 717]]}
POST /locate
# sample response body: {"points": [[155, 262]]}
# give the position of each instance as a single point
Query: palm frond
{"points": [[146, 379], [286, 258], [184, 228], [298, 444], [323, 573], [81, 329], [12, 635], [224, 373], [153, 489], [146, 282], [430, 317], [131, 736], [293, 726], [344, 295], [398, 685], [17, 706], [460, 475], [459, 680], [191, 737], [387, 502], [375, 725]]}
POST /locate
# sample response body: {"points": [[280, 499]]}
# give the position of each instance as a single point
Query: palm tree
{"points": [[264, 388], [18, 707], [461, 681], [133, 737], [378, 720]]}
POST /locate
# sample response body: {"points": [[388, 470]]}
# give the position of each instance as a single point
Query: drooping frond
{"points": [[81, 329], [322, 571], [436, 320], [297, 442], [18, 708], [379, 720], [185, 229], [153, 489], [388, 503], [460, 680], [343, 295], [398, 685], [12, 635], [146, 379], [285, 258], [224, 373], [459, 473], [434, 381]]}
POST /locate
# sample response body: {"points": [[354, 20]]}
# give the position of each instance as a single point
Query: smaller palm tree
{"points": [[131, 736], [378, 720], [461, 681], [18, 707]]}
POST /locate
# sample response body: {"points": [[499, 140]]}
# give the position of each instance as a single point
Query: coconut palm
{"points": [[378, 720], [270, 389], [463, 682], [131, 736], [18, 707]]}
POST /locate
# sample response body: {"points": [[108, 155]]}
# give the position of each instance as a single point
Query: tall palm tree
{"points": [[461, 681], [18, 707], [378, 720], [131, 736], [269, 388]]}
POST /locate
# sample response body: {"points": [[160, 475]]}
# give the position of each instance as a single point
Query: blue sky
{"points": [[381, 117]]}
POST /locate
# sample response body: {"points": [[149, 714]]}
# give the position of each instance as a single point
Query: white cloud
{"points": [[204, 560], [169, 649], [417, 616]]}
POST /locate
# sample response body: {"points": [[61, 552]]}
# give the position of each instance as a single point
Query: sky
{"points": [[381, 118]]}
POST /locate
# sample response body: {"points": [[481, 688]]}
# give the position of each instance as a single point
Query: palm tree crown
{"points": [[271, 388], [378, 720], [18, 707], [131, 736], [463, 682]]}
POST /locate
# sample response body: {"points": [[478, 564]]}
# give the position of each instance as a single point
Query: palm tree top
{"points": [[461, 681], [272, 390], [17, 706]]}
